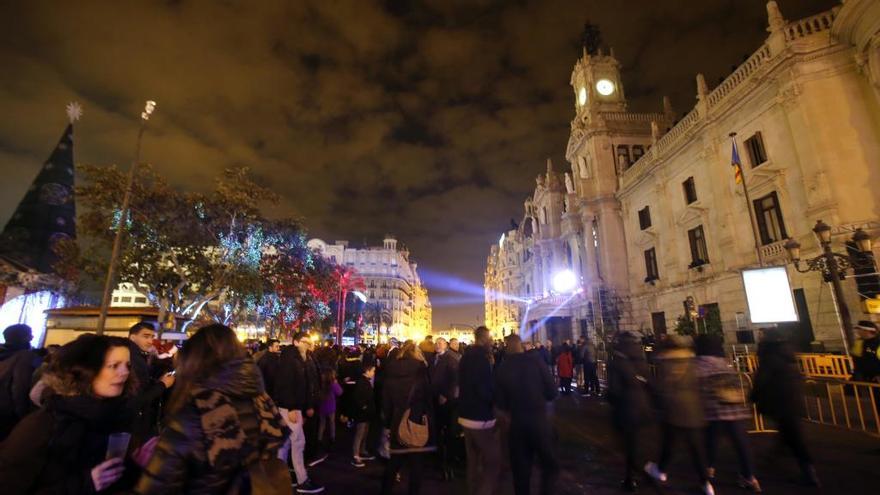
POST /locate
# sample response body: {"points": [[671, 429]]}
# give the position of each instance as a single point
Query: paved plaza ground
{"points": [[847, 462]]}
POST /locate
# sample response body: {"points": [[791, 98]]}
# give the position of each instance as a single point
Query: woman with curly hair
{"points": [[223, 431], [63, 447]]}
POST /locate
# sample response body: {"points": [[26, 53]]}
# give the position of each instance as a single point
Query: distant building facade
{"points": [[391, 281], [650, 216]]}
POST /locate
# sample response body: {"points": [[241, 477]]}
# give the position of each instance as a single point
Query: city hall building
{"points": [[648, 215]]}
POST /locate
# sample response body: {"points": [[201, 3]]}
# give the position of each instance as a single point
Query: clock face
{"points": [[582, 96], [605, 87]]}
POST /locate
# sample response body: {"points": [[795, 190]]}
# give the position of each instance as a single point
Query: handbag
{"points": [[728, 390], [412, 433]]}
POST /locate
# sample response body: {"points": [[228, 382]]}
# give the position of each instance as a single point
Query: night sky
{"points": [[427, 119]]}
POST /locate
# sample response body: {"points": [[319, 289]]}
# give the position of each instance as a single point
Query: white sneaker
{"points": [[708, 489], [654, 472]]}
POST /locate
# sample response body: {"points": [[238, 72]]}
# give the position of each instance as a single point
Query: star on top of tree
{"points": [[74, 111]]}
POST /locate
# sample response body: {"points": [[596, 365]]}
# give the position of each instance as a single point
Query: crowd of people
{"points": [[111, 415]]}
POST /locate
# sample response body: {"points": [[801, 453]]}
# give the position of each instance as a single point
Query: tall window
{"points": [[651, 272], [769, 215], [690, 190], [755, 147], [699, 253], [623, 161], [644, 218], [637, 152]]}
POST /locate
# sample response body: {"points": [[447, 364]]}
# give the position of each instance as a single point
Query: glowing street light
{"points": [[565, 282]]}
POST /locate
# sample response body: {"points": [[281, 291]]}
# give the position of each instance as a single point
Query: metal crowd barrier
{"points": [[812, 365]]}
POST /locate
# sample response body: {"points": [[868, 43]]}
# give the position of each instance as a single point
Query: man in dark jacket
{"points": [[629, 397], [294, 393], [147, 404], [444, 381], [524, 386], [866, 360], [17, 365], [476, 415], [778, 393], [268, 364]]}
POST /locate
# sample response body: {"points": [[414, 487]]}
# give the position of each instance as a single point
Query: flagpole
{"points": [[752, 218]]}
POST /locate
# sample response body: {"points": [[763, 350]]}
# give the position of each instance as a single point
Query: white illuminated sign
{"points": [[769, 295]]}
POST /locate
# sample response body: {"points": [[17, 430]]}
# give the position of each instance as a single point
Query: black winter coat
{"points": [[227, 423], [444, 375], [147, 401], [524, 385], [476, 391], [293, 389], [407, 387], [628, 390], [53, 450], [16, 376], [363, 401], [779, 387], [269, 364]]}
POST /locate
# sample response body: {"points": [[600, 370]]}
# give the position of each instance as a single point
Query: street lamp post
{"points": [[123, 222], [833, 267]]}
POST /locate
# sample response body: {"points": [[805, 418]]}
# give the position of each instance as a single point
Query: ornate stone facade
{"points": [[653, 215]]}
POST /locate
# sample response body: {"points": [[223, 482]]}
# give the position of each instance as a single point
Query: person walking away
{"points": [[565, 369], [524, 387], [224, 431], [350, 368], [725, 408], [147, 402], [577, 356], [476, 415], [62, 448], [444, 381], [363, 412], [293, 394], [549, 352], [313, 452], [681, 412], [268, 364], [591, 369], [330, 391], [778, 393], [17, 366], [630, 400], [408, 417], [866, 361]]}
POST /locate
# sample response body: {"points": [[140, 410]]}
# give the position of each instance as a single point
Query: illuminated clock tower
{"points": [[605, 140]]}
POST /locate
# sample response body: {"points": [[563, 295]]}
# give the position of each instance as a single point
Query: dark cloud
{"points": [[424, 119]]}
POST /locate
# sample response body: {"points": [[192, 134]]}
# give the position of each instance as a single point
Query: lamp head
{"points": [[822, 231], [794, 249], [862, 240]]}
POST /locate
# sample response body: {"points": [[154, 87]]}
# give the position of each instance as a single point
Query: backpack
{"points": [[413, 433]]}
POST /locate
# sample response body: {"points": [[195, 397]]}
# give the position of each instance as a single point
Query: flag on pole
{"points": [[735, 161]]}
